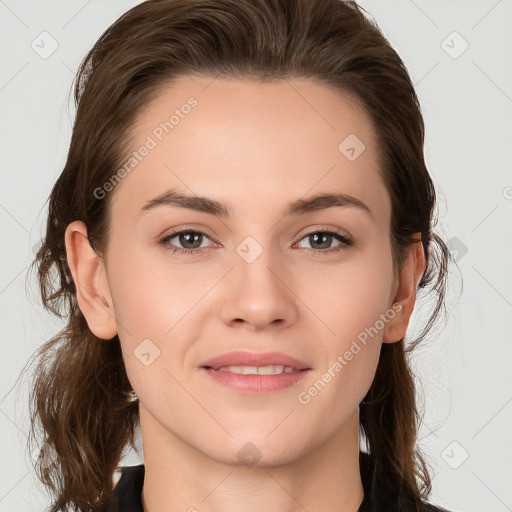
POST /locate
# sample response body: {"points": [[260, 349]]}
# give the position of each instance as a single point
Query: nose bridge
{"points": [[258, 290]]}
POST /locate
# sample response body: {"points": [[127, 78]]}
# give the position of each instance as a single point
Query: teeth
{"points": [[258, 370]]}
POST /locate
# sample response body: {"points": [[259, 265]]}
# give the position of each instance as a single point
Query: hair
{"points": [[80, 393]]}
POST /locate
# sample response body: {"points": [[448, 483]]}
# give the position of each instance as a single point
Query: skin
{"points": [[255, 147]]}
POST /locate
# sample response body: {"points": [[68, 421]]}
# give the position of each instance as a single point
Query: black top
{"points": [[127, 492]]}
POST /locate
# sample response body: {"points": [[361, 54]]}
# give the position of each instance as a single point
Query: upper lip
{"points": [[244, 358]]}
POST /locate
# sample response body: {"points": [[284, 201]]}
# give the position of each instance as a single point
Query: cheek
{"points": [[350, 300], [150, 304], [158, 310], [350, 307], [150, 298], [351, 296]]}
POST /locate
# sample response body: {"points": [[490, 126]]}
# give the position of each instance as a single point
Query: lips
{"points": [[254, 359], [253, 373]]}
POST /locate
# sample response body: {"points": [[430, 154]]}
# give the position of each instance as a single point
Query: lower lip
{"points": [[256, 384]]}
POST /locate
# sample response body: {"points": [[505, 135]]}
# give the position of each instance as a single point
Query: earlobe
{"points": [[92, 287], [409, 278]]}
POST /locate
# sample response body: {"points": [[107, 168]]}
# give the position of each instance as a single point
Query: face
{"points": [[315, 283]]}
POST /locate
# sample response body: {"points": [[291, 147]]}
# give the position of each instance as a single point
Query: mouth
{"points": [[246, 362], [257, 370], [250, 381], [256, 380]]}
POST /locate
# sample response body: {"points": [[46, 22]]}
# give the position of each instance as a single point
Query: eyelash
{"points": [[345, 242]]}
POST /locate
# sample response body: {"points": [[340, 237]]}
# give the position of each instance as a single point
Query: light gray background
{"points": [[467, 103]]}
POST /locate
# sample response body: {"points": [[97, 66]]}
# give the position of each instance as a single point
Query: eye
{"points": [[323, 238], [191, 239]]}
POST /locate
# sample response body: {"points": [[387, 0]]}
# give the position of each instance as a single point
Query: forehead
{"points": [[250, 145]]}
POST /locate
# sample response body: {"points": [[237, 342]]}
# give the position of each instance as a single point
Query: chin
{"points": [[258, 450]]}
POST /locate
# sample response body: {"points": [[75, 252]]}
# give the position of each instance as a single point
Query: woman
{"points": [[241, 230]]}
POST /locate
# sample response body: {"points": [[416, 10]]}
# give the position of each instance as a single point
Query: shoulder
{"points": [[428, 507], [127, 491], [379, 496]]}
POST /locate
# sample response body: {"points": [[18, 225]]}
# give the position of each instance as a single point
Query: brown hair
{"points": [[81, 393]]}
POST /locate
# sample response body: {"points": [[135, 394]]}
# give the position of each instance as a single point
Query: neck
{"points": [[178, 477]]}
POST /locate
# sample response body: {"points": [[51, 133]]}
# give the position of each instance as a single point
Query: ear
{"points": [[405, 294], [90, 278]]}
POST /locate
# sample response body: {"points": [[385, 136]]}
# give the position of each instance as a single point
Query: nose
{"points": [[259, 294]]}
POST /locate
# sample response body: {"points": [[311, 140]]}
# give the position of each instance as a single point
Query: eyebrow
{"points": [[322, 201]]}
